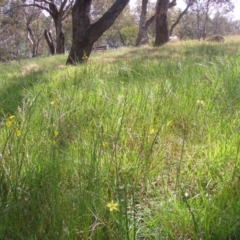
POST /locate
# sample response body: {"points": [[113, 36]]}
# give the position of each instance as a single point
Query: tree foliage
{"points": [[21, 31], [204, 9]]}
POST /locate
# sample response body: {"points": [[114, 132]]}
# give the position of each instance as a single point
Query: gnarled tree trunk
{"points": [[85, 33]]}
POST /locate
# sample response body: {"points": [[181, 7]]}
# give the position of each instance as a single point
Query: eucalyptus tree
{"points": [[34, 20], [142, 32], [145, 23], [59, 11], [85, 32], [204, 9]]}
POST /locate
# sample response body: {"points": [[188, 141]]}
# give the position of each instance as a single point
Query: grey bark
{"points": [[85, 33], [49, 40], [142, 33], [144, 24], [162, 31]]}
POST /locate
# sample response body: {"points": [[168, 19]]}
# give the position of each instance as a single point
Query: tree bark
{"points": [[57, 16], [162, 31], [204, 33], [48, 37], [85, 33], [142, 33], [143, 37], [34, 43], [60, 37]]}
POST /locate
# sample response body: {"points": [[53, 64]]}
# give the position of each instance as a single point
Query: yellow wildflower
{"points": [[11, 117], [9, 120], [54, 101], [112, 206], [8, 123], [104, 144], [200, 103], [55, 133], [18, 132], [85, 57], [152, 131]]}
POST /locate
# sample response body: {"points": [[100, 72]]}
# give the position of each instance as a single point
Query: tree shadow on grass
{"points": [[14, 89]]}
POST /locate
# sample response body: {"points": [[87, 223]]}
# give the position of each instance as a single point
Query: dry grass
{"points": [[30, 68]]}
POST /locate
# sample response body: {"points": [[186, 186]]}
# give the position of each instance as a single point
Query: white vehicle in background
{"points": [[173, 38]]}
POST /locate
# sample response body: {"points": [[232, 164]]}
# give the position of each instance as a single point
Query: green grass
{"points": [[154, 130]]}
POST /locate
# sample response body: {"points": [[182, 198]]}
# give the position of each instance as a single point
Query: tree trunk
{"points": [[57, 16], [162, 31], [85, 33], [144, 25], [121, 38], [60, 37], [32, 41], [48, 37], [142, 34], [206, 19]]}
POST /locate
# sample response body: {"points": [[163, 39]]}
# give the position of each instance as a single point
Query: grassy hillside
{"points": [[139, 143]]}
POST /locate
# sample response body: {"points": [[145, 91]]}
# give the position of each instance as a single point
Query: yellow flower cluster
{"points": [[85, 57], [9, 122], [18, 132], [200, 103]]}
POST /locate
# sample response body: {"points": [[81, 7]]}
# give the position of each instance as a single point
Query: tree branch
{"points": [[62, 6], [66, 12], [179, 17], [172, 4], [149, 22], [45, 1], [107, 19], [35, 5]]}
